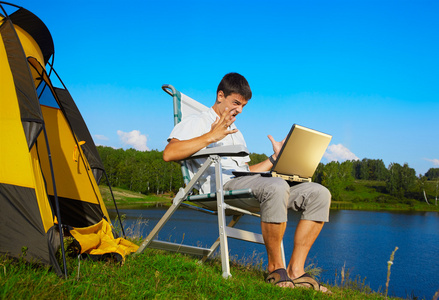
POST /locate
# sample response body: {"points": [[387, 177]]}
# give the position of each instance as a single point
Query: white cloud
{"points": [[101, 137], [339, 153], [134, 139], [435, 161]]}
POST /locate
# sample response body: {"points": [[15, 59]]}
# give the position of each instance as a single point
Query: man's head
{"points": [[233, 93], [235, 83]]}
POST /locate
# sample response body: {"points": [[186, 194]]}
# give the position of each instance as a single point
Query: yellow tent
{"points": [[49, 165]]}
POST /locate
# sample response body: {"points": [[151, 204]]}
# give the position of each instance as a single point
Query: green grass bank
{"points": [[158, 275]]}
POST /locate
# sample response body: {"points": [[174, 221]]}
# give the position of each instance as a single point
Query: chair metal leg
{"points": [[221, 218], [147, 241], [176, 202], [224, 244], [283, 253], [215, 245]]}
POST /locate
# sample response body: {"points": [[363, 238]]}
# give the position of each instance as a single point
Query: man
{"points": [[216, 127]]}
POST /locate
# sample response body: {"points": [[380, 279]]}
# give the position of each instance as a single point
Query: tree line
{"points": [[147, 173], [140, 171]]}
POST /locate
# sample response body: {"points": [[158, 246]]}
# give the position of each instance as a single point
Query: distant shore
{"points": [[131, 200]]}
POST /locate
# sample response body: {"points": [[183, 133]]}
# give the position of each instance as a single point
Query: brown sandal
{"points": [[278, 276], [307, 279]]}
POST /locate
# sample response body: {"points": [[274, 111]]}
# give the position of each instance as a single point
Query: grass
{"points": [[156, 274], [370, 195], [129, 199], [153, 274]]}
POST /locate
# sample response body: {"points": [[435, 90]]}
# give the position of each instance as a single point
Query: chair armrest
{"points": [[232, 150]]}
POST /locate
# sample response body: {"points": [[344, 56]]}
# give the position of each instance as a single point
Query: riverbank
{"points": [[129, 199]]}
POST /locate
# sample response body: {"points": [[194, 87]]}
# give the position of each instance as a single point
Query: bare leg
{"points": [[305, 236], [306, 233], [273, 234]]}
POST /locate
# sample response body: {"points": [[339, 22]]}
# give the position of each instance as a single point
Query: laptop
{"points": [[300, 155]]}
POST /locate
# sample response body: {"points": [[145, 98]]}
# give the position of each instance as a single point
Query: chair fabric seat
{"points": [[242, 198]]}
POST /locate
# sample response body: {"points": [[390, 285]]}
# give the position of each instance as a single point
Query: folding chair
{"points": [[236, 203]]}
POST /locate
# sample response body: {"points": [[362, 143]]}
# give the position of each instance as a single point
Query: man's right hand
{"points": [[220, 128]]}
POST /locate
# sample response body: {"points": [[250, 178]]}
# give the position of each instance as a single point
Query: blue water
{"points": [[362, 241]]}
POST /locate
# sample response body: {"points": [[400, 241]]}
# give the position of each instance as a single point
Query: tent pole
{"points": [[115, 205], [10, 4], [58, 214]]}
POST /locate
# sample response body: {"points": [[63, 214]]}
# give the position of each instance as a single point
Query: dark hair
{"points": [[235, 83]]}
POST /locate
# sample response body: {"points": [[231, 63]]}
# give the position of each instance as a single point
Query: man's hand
{"points": [[277, 146], [219, 128], [266, 165], [178, 150]]}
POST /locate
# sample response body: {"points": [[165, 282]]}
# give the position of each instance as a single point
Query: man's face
{"points": [[235, 103]]}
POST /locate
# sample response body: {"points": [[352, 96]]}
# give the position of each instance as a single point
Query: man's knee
{"points": [[275, 188], [323, 195], [273, 198], [312, 199]]}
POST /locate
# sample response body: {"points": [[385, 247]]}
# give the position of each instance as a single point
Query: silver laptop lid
{"points": [[302, 151]]}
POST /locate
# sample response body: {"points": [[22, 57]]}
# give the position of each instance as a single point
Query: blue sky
{"points": [[364, 71]]}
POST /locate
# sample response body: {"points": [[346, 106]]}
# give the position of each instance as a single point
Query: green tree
{"points": [[370, 169], [318, 174], [356, 169], [111, 158], [378, 170], [421, 182], [257, 158], [336, 177], [140, 171], [402, 179], [432, 173]]}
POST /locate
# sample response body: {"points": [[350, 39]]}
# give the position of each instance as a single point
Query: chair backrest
{"points": [[183, 106]]}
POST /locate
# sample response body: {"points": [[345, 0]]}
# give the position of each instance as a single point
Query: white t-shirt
{"points": [[197, 125]]}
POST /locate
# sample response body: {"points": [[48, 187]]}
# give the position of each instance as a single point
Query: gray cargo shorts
{"points": [[276, 196]]}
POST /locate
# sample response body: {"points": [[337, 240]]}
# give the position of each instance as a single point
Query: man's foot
{"points": [[308, 281], [280, 278]]}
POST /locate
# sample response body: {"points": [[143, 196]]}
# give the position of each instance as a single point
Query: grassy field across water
{"points": [[362, 195]]}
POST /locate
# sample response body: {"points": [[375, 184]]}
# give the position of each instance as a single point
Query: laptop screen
{"points": [[302, 151]]}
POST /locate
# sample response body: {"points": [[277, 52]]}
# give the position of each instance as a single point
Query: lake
{"points": [[362, 241]]}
